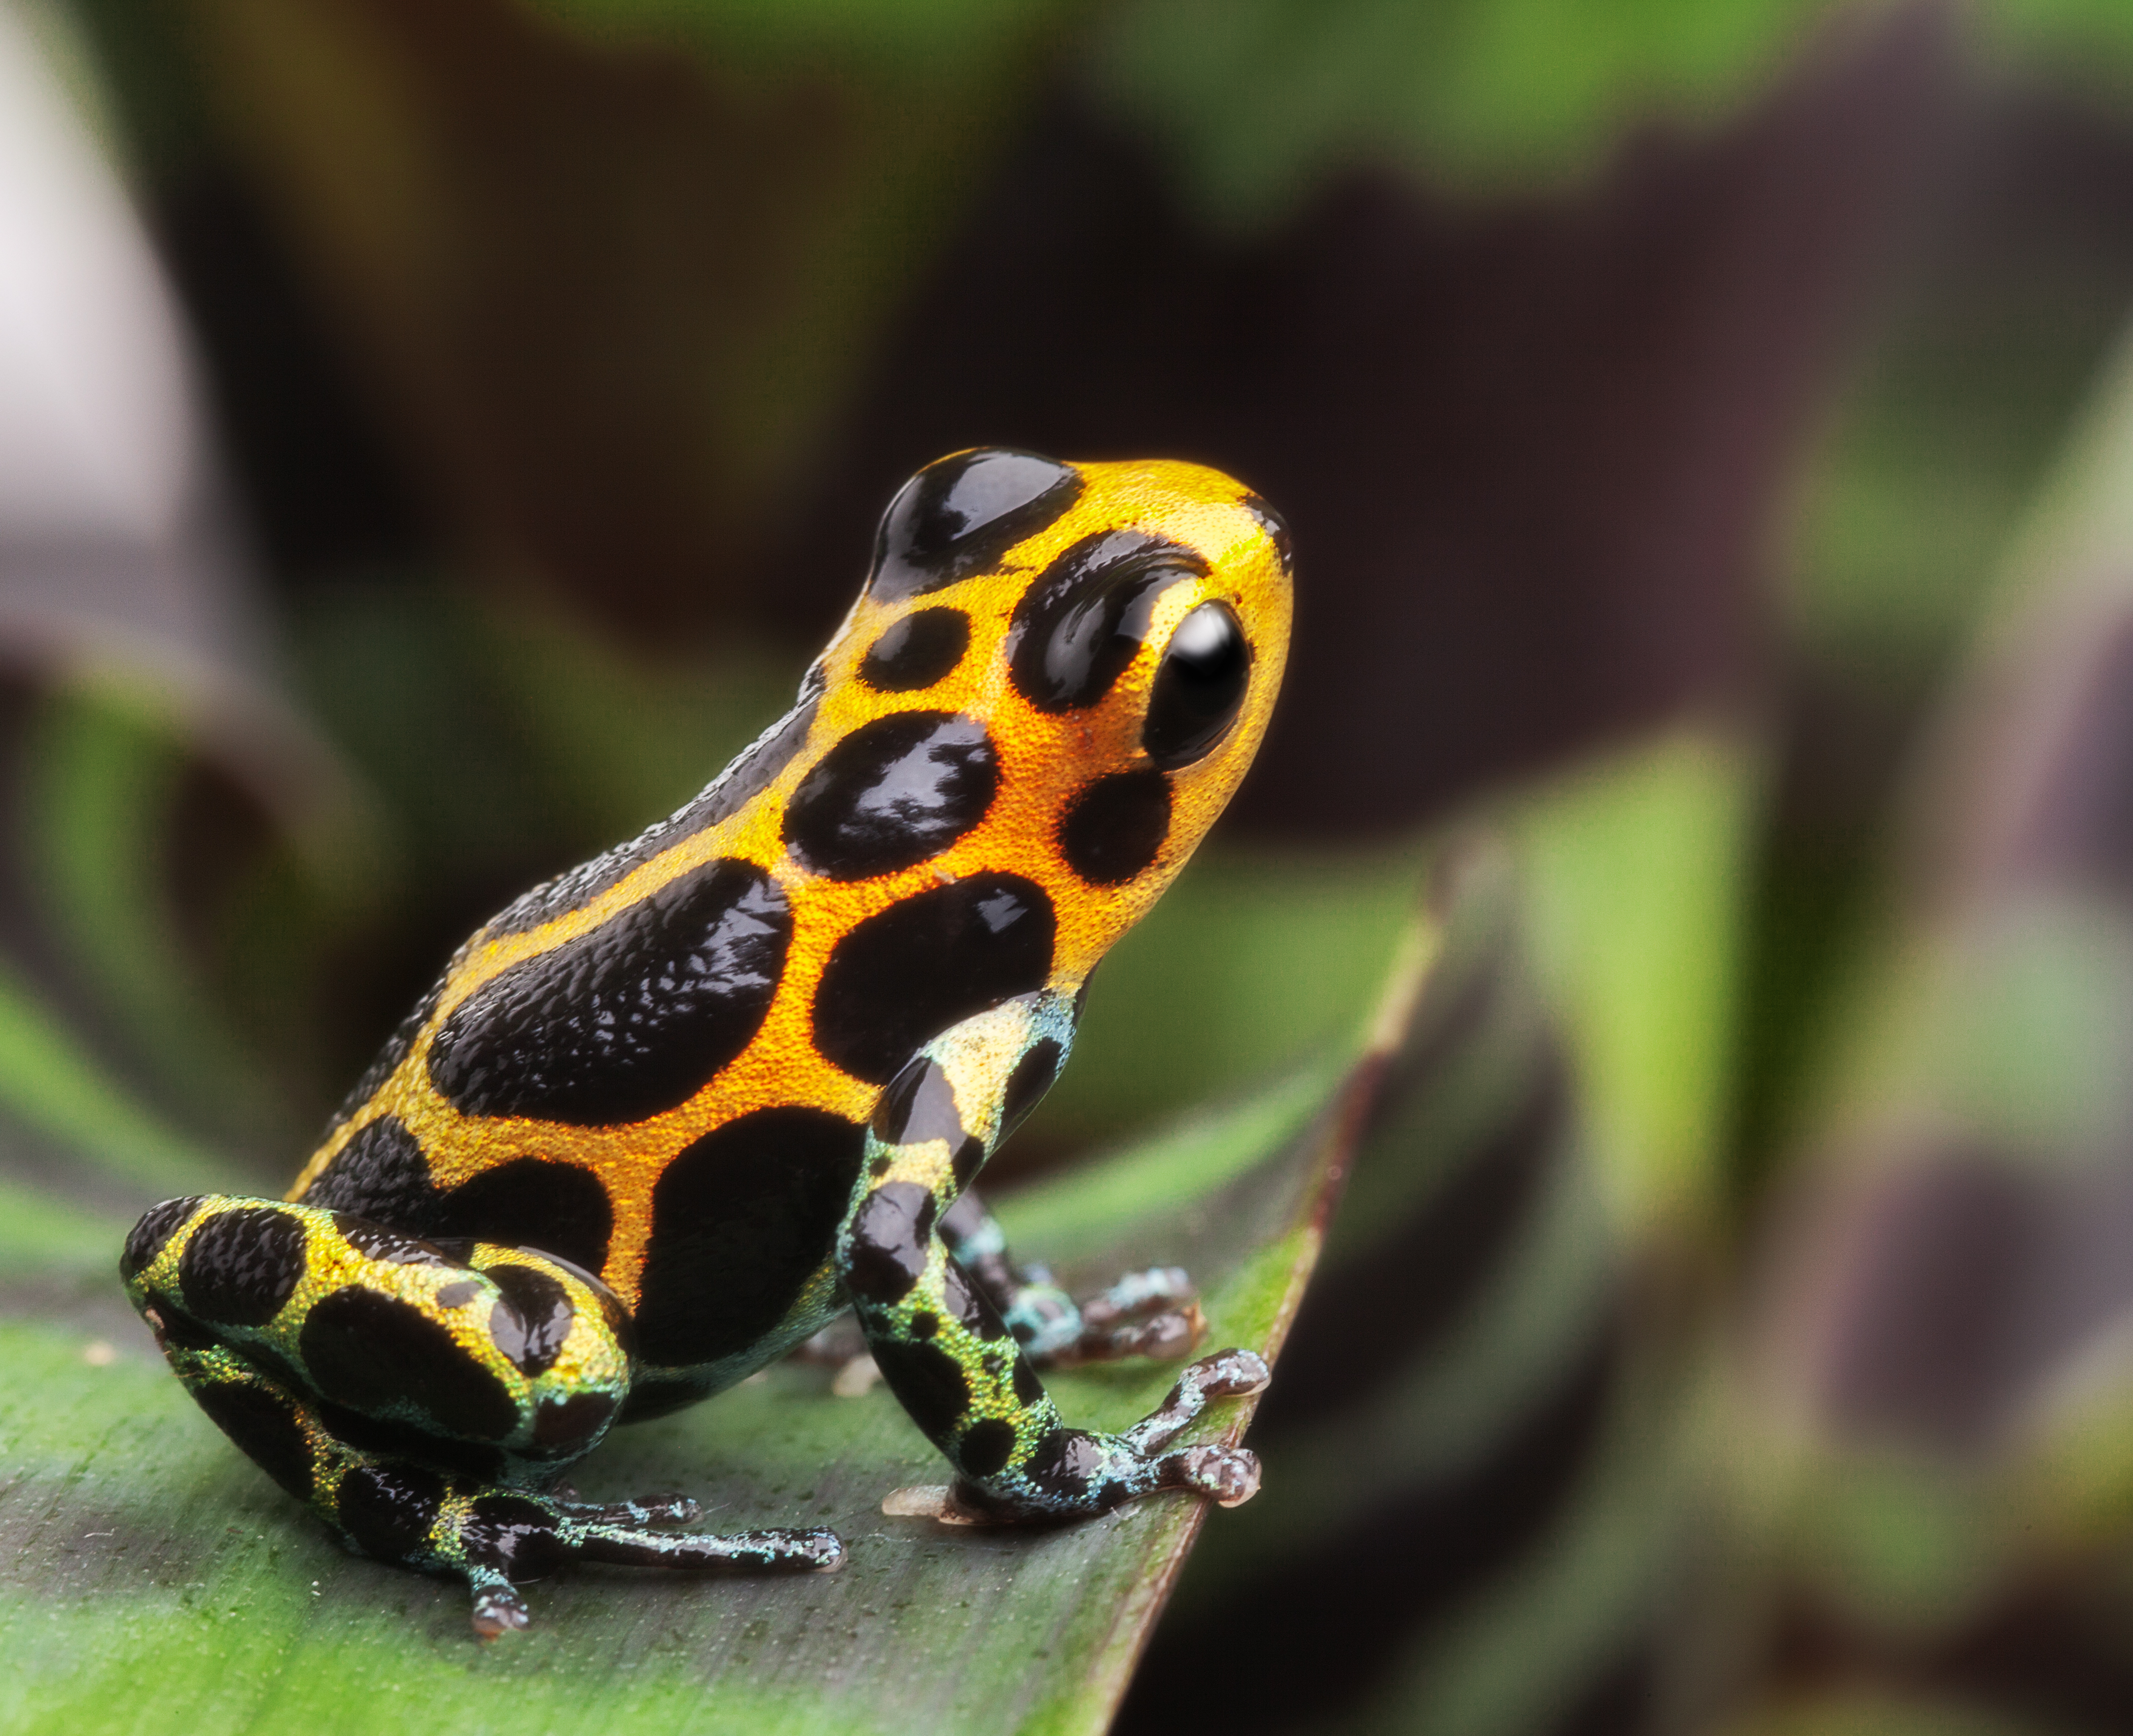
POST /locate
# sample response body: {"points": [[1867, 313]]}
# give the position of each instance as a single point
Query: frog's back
{"points": [[660, 1066]]}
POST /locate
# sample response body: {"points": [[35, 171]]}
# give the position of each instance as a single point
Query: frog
{"points": [[671, 1114]]}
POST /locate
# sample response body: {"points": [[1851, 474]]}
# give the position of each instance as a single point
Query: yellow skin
{"points": [[421, 1367], [1044, 759]]}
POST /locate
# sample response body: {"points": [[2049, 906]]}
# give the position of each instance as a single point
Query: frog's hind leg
{"points": [[492, 1538], [943, 1345], [423, 1397]]}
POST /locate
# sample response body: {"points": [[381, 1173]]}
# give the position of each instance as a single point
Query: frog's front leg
{"points": [[940, 1341], [424, 1397]]}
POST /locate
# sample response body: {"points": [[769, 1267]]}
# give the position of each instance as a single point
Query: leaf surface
{"points": [[156, 1580]]}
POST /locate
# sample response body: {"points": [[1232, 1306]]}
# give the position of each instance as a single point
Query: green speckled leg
{"points": [[941, 1343], [423, 1398]]}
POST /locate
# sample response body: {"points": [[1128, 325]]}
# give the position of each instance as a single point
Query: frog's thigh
{"points": [[496, 1362], [419, 1395]]}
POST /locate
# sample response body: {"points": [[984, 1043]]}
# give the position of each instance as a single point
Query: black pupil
{"points": [[1198, 688]]}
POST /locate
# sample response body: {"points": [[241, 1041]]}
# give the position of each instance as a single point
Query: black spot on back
{"points": [[147, 1238], [1026, 1086], [985, 1447], [533, 1203], [371, 1352], [928, 1382], [242, 1265], [892, 1232], [907, 973], [753, 771], [1115, 826], [379, 1174], [389, 1512], [740, 1220], [264, 1425], [959, 516], [913, 653], [1076, 628], [892, 794], [531, 1317], [632, 1018]]}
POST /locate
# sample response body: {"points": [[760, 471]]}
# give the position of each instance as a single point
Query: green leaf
{"points": [[1636, 863], [156, 1578], [102, 770]]}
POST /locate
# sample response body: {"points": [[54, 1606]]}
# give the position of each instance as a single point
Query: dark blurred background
{"points": [[436, 434]]}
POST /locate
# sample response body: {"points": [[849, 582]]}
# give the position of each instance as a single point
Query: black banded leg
{"points": [[491, 1539], [420, 1396], [1154, 1313], [943, 1345]]}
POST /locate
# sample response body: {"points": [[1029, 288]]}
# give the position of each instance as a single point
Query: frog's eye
{"points": [[960, 515], [1199, 686]]}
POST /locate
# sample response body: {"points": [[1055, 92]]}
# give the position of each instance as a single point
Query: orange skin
{"points": [[1044, 760]]}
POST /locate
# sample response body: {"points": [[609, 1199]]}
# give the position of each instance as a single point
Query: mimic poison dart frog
{"points": [[670, 1113]]}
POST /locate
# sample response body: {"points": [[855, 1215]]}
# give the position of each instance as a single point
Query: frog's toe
{"points": [[1226, 1374], [498, 1607], [1228, 1476], [1138, 1295], [1153, 1313], [1162, 1337], [1069, 1473]]}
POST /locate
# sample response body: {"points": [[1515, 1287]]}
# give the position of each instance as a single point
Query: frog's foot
{"points": [[1154, 1313], [1071, 1473], [491, 1538]]}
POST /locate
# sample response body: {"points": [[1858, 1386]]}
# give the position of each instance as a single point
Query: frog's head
{"points": [[1114, 636]]}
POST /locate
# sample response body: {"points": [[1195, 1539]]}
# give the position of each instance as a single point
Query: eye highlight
{"points": [[1199, 686]]}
